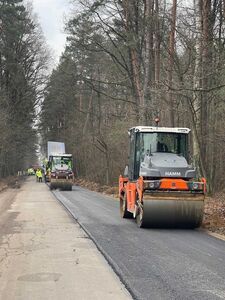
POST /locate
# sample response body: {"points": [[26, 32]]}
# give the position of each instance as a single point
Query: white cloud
{"points": [[51, 15]]}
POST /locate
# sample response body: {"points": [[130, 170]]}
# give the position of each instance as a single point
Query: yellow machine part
{"points": [[171, 211]]}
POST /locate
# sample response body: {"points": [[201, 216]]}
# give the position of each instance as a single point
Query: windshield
{"points": [[163, 142], [63, 161]]}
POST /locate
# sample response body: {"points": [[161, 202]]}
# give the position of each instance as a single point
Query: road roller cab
{"points": [[159, 187]]}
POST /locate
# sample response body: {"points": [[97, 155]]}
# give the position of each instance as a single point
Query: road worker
{"points": [[39, 175], [70, 164]]}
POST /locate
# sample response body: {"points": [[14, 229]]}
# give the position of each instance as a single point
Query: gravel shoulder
{"points": [[44, 254]]}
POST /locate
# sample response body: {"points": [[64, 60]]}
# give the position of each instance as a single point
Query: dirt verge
{"points": [[13, 182], [214, 215], [96, 187]]}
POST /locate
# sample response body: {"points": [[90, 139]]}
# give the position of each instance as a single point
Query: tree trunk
{"points": [[157, 44], [197, 86], [148, 62], [171, 61], [88, 113], [131, 26]]}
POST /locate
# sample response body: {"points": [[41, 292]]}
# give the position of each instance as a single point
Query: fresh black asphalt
{"points": [[152, 263]]}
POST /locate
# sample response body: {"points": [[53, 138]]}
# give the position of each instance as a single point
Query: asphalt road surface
{"points": [[152, 263]]}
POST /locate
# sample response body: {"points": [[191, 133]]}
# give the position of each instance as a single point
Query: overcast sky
{"points": [[51, 15]]}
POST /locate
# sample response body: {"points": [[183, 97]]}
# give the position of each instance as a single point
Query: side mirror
{"points": [[126, 171]]}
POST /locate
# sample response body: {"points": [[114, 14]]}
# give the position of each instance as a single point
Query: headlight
{"points": [[152, 185], [195, 186]]}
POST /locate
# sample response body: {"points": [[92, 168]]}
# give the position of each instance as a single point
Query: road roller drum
{"points": [[169, 213]]}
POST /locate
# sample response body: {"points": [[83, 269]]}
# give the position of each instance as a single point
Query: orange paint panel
{"points": [[140, 187], [131, 195], [173, 184], [122, 185], [205, 186]]}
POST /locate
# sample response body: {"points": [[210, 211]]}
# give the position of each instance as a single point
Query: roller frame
{"points": [[165, 209]]}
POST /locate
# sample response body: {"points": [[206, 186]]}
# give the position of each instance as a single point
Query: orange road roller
{"points": [[159, 187]]}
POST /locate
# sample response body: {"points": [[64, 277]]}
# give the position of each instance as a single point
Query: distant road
{"points": [[153, 263]]}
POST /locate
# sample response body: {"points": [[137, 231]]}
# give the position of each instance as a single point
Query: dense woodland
{"points": [[23, 63], [125, 62]]}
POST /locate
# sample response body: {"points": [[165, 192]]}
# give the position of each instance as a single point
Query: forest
{"points": [[23, 73], [125, 62]]}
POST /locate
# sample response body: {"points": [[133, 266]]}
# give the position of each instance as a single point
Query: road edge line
{"points": [[216, 235]]}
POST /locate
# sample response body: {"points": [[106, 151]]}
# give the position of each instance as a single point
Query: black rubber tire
{"points": [[124, 213]]}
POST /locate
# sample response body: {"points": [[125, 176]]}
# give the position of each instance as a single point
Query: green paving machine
{"points": [[59, 169]]}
